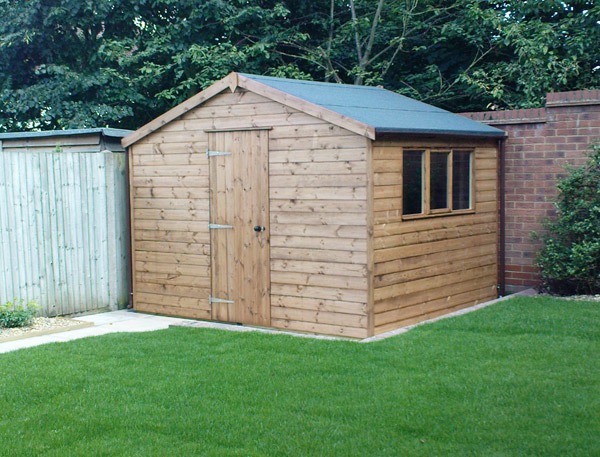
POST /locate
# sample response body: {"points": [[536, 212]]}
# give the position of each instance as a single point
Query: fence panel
{"points": [[63, 230]]}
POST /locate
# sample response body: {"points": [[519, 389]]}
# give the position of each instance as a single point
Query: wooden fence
{"points": [[63, 229]]}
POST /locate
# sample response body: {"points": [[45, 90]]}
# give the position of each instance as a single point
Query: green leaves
{"points": [[17, 313], [540, 47], [570, 258], [121, 63]]}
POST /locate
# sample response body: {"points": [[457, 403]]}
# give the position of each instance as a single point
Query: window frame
{"points": [[426, 183]]}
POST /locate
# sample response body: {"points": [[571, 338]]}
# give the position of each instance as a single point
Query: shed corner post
{"points": [[130, 225], [370, 262]]}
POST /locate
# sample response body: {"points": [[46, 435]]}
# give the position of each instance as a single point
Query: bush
{"points": [[17, 314], [570, 258]]}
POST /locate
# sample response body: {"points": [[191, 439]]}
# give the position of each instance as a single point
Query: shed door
{"points": [[239, 234]]}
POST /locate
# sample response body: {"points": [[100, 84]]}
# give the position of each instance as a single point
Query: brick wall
{"points": [[540, 141]]}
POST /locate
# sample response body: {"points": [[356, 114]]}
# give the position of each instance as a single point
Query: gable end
{"points": [[234, 80]]}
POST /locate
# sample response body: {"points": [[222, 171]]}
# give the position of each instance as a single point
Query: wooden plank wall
{"points": [[431, 266], [90, 142], [318, 232], [63, 228]]}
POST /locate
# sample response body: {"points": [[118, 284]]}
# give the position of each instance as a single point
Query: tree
{"points": [[54, 73], [542, 46], [120, 63]]}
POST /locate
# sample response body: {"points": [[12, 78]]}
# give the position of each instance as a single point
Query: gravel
{"points": [[576, 297], [39, 324]]}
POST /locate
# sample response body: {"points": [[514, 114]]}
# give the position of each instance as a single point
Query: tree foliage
{"points": [[570, 258], [120, 63]]}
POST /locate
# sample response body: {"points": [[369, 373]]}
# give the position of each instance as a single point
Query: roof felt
{"points": [[115, 133], [386, 111]]}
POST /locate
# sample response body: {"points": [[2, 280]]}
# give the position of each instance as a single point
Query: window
{"points": [[438, 194], [461, 180], [436, 181], [412, 179]]}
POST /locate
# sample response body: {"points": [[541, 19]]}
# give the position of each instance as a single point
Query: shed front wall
{"points": [[318, 215], [433, 265]]}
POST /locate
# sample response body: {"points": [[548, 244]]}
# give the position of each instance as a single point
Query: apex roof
{"points": [[365, 110], [385, 110]]}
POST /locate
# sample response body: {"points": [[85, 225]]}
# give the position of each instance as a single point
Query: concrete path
{"points": [[460, 312], [110, 322], [130, 321]]}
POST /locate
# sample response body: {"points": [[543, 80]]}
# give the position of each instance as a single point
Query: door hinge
{"points": [[218, 226], [216, 153], [212, 300]]}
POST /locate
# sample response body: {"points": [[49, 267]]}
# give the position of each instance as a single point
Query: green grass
{"points": [[521, 378]]}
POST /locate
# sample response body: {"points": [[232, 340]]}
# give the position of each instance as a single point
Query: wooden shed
{"points": [[314, 207]]}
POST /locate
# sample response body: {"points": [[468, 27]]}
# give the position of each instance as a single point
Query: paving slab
{"points": [[131, 321], [470, 309], [246, 328], [102, 323]]}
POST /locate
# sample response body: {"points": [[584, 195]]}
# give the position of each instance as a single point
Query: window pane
{"points": [[439, 180], [412, 182], [461, 180]]}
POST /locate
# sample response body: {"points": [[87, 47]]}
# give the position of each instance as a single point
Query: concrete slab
{"points": [[398, 331], [245, 328], [109, 317], [102, 323], [130, 321]]}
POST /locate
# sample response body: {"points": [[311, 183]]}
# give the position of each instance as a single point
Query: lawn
{"points": [[520, 378]]}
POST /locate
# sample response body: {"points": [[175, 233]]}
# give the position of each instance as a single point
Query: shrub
{"points": [[17, 313], [570, 258]]}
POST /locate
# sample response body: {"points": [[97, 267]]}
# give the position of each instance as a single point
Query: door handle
{"points": [[258, 228]]}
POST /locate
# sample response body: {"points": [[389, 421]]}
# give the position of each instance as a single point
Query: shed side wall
{"points": [[431, 266], [317, 181]]}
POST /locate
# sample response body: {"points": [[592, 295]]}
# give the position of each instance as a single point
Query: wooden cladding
{"points": [[429, 266], [239, 202], [315, 185], [338, 256]]}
